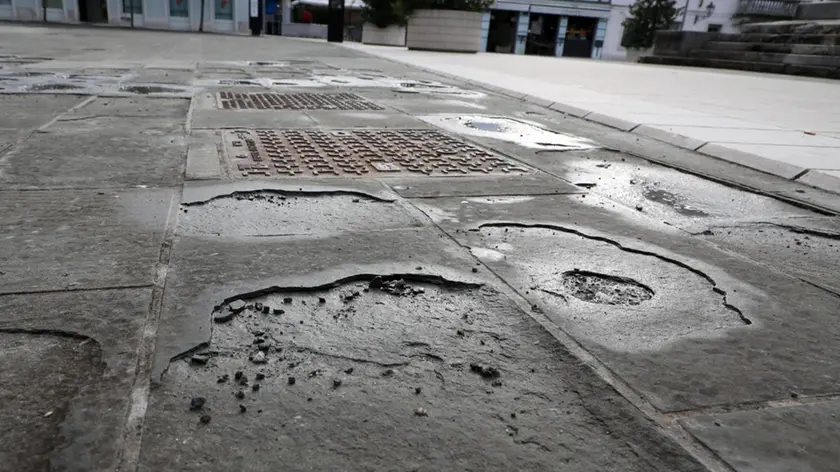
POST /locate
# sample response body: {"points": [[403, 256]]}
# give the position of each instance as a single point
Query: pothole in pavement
{"points": [[677, 202], [293, 369], [152, 89], [511, 130], [624, 299], [272, 213], [605, 289], [42, 374], [53, 87]]}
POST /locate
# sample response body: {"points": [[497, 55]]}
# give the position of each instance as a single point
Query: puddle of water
{"points": [[507, 129], [29, 74]]}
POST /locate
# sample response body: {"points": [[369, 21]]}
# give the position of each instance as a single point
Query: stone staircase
{"points": [[801, 47]]}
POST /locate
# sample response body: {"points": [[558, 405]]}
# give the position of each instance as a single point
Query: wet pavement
{"points": [[313, 259]]}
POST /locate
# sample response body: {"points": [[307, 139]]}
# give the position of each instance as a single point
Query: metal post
{"points": [[132, 12], [44, 9]]}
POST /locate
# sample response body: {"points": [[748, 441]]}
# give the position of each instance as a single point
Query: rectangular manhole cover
{"points": [[294, 101], [373, 153]]}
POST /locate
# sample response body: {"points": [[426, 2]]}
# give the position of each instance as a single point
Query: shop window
{"points": [[137, 5], [54, 4], [224, 9], [714, 28], [5, 2], [179, 8]]}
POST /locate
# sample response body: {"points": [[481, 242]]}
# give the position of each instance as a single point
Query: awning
{"points": [[348, 4]]}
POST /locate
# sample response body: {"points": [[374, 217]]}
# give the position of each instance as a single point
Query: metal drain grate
{"points": [[373, 153], [294, 101]]}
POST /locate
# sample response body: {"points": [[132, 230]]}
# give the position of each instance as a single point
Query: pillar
{"points": [[600, 33], [485, 30], [286, 11], [522, 24], [561, 35]]}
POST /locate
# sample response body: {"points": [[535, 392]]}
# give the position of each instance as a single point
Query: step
{"points": [[827, 39], [814, 49], [789, 69], [768, 57], [794, 27], [818, 11]]}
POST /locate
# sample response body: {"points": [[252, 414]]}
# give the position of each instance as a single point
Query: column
{"points": [[600, 33], [485, 30], [561, 35], [286, 11], [522, 24]]}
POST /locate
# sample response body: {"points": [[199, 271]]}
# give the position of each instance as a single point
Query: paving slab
{"points": [[792, 437], [32, 111], [761, 345], [73, 239], [68, 362], [449, 366], [99, 151]]}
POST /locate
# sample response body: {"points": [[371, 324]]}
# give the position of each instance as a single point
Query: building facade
{"points": [[700, 15], [547, 28], [224, 16]]}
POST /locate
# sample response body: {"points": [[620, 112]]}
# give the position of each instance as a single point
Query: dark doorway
{"points": [[580, 33], [93, 11], [542, 35], [501, 36]]}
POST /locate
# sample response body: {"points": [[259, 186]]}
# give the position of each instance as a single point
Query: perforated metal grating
{"points": [[294, 101], [375, 153]]}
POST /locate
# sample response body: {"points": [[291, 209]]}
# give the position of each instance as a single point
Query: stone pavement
{"points": [[228, 253], [786, 126]]}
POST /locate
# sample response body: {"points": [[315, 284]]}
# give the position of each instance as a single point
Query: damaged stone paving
{"points": [[313, 259]]}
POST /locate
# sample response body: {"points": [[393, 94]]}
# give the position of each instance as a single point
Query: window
{"points": [[127, 5], [179, 8], [714, 28], [5, 2], [224, 9], [53, 4]]}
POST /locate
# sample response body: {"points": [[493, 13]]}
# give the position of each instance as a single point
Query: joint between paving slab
{"points": [[72, 289]]}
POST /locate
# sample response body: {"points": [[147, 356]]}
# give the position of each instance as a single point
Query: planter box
{"points": [[444, 30], [393, 35]]}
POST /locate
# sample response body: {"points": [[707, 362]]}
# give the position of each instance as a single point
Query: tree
{"points": [[384, 13], [646, 18]]}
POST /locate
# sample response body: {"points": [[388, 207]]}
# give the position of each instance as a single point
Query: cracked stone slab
{"points": [[665, 194], [68, 361], [785, 348], [80, 239], [791, 437], [538, 183], [452, 363], [807, 248], [234, 210], [99, 151]]}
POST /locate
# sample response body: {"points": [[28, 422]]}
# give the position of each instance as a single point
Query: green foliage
{"points": [[646, 18], [461, 5], [384, 13]]}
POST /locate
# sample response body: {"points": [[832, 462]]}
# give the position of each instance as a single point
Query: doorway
{"points": [[501, 35], [93, 11], [580, 35], [542, 35]]}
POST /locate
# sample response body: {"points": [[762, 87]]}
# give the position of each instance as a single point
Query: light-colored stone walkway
{"points": [[787, 126]]}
